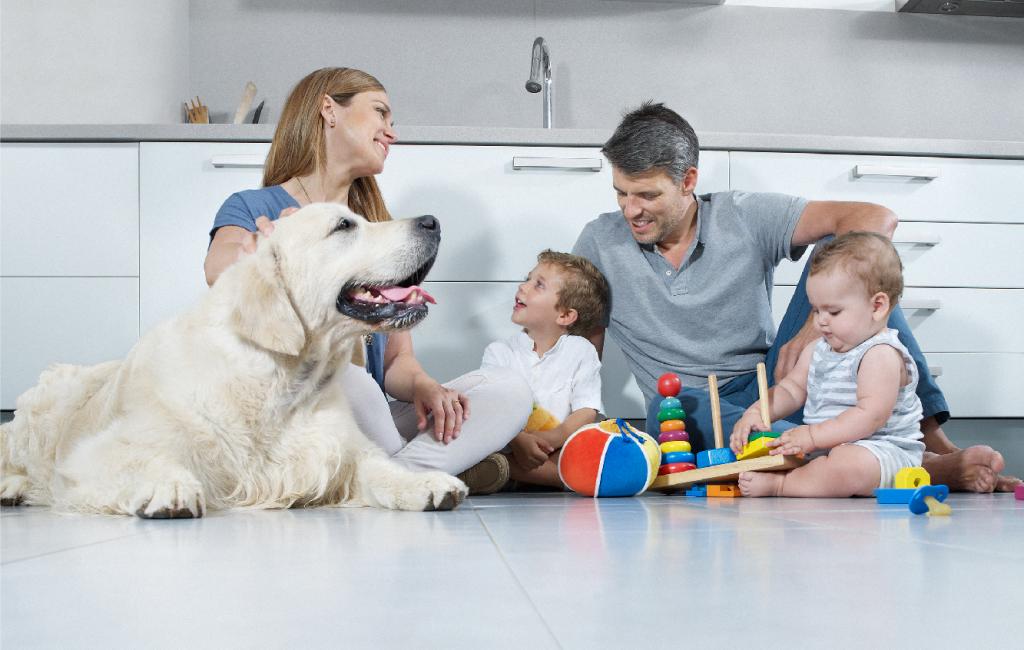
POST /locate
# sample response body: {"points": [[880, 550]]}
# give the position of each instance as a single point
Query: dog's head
{"points": [[327, 270]]}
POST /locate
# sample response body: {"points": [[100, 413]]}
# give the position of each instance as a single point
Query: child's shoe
{"points": [[488, 476]]}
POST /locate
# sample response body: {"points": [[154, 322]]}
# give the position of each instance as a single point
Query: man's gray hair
{"points": [[653, 137]]}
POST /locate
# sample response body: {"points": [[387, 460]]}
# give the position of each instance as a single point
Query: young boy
{"points": [[563, 299], [856, 383]]}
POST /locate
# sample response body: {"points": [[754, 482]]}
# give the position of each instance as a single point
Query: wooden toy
{"points": [[757, 445], [721, 454], [911, 478], [672, 436], [730, 490], [929, 498], [609, 459], [697, 491], [726, 472], [669, 384], [1018, 492]]}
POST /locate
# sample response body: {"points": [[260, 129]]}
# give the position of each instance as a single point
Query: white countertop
{"points": [[477, 135]]}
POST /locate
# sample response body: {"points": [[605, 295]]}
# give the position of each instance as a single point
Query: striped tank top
{"points": [[832, 388]]}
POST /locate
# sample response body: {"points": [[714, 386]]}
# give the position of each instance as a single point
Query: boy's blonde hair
{"points": [[584, 289], [866, 256]]}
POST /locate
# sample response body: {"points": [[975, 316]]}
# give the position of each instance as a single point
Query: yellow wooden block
{"points": [[911, 478], [754, 449], [723, 490], [674, 445]]}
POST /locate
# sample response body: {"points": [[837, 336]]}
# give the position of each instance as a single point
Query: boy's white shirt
{"points": [[566, 379]]}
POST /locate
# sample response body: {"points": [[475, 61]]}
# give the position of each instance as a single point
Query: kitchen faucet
{"points": [[540, 72]]}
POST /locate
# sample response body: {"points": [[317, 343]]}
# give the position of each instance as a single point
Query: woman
{"points": [[332, 139]]}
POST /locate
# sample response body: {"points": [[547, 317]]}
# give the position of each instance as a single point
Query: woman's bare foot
{"points": [[761, 484], [975, 469]]}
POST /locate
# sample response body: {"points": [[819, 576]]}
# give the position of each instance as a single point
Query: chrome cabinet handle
{"points": [[923, 173], [238, 161], [574, 164], [926, 239], [929, 304]]}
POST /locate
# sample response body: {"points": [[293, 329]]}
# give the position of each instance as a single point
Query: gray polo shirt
{"points": [[713, 315]]}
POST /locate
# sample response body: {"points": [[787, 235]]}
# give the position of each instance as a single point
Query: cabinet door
{"points": [[69, 209], [62, 320], [916, 188], [980, 385], [469, 315], [949, 255], [500, 206], [182, 185]]}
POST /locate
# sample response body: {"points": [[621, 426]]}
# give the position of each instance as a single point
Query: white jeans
{"points": [[499, 401]]}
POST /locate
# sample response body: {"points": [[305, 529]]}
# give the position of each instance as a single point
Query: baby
{"points": [[856, 383], [563, 299]]}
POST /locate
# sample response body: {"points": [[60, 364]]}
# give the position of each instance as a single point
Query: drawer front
{"points": [[67, 320], [952, 320], [469, 315], [949, 255], [69, 209], [981, 385], [917, 189], [495, 217], [182, 185]]}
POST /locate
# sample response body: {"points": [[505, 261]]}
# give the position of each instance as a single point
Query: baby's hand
{"points": [[530, 451], [792, 442], [751, 421]]}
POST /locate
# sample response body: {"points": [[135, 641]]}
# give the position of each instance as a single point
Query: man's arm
{"points": [[819, 219]]}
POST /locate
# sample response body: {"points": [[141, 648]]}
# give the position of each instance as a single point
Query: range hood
{"points": [[1002, 8]]}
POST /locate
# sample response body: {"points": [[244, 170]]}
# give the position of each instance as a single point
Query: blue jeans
{"points": [[741, 392]]}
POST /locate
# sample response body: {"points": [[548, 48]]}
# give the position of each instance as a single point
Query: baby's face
{"points": [[843, 311], [536, 298]]}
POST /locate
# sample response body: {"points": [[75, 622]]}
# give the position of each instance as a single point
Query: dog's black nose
{"points": [[428, 222]]}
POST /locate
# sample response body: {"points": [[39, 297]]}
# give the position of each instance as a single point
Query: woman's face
{"points": [[362, 133]]}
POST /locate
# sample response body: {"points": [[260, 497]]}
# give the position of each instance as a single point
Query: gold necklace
{"points": [[308, 199]]}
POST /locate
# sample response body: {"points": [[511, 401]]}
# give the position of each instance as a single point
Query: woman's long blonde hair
{"points": [[298, 147]]}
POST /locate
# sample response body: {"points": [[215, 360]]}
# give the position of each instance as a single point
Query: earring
{"points": [[332, 124]]}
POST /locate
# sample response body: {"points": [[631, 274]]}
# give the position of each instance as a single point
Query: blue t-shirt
{"points": [[242, 208]]}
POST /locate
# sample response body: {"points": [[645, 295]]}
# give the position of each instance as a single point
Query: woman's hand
{"points": [[751, 421], [795, 441], [264, 227], [448, 407], [530, 451]]}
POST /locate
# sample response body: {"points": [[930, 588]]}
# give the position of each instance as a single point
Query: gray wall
{"points": [[748, 69]]}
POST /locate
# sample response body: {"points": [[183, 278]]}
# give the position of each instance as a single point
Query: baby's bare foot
{"points": [[761, 484]]}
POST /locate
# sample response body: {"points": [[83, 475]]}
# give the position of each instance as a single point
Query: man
{"points": [[691, 280]]}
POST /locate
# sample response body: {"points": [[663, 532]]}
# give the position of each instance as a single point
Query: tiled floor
{"points": [[523, 571]]}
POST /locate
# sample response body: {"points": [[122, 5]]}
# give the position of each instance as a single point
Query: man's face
{"points": [[654, 205]]}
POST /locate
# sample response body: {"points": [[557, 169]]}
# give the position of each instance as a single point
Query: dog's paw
{"points": [[170, 500], [12, 489], [422, 491]]}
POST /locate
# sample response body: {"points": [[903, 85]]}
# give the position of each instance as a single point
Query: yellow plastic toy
{"points": [[541, 419], [911, 478], [754, 449]]}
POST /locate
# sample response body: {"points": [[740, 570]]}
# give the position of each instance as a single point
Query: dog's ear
{"points": [[263, 313]]}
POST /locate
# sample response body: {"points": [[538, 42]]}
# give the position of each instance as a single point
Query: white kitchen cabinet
{"points": [[182, 185], [985, 385], [496, 218], [469, 315], [916, 188], [62, 320], [69, 209]]}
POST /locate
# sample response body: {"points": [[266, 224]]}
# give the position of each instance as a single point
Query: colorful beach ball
{"points": [[609, 459]]}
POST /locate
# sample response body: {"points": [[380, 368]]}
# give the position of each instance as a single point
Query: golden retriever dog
{"points": [[233, 403]]}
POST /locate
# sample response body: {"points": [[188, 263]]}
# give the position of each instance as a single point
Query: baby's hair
{"points": [[866, 256], [584, 289]]}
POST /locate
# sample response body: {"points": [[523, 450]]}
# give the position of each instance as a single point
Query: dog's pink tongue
{"points": [[400, 294]]}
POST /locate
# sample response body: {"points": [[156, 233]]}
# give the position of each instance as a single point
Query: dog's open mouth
{"points": [[394, 304]]}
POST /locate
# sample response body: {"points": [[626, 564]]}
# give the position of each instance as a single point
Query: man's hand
{"points": [[751, 421], [530, 450], [793, 442], [789, 353], [448, 407]]}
